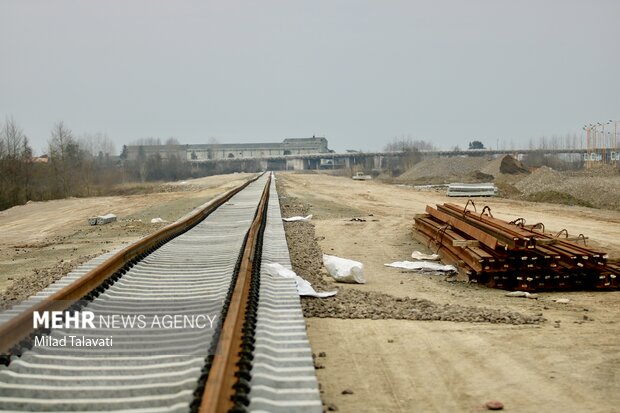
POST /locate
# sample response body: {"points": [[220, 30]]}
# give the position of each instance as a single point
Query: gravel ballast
{"points": [[306, 258]]}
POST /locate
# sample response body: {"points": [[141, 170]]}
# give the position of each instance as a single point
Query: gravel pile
{"points": [[539, 180], [351, 303], [598, 187], [306, 258], [588, 188], [445, 170]]}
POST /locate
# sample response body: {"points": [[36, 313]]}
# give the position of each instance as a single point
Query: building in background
{"points": [[230, 151]]}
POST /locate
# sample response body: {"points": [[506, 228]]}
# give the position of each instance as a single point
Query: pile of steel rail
{"points": [[513, 255]]}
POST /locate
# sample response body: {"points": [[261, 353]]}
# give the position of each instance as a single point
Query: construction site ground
{"points": [[569, 362], [41, 241]]}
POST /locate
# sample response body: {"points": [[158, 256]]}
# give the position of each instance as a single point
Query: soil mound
{"points": [[510, 165], [577, 188], [542, 179], [506, 165], [478, 176], [446, 170]]}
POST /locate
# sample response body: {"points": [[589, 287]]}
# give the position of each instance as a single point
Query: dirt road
{"points": [[571, 362]]}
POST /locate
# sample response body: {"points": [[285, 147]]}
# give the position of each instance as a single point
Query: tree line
{"points": [[155, 167], [16, 172], [74, 166]]}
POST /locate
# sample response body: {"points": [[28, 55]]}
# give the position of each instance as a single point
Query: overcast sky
{"points": [[357, 72]]}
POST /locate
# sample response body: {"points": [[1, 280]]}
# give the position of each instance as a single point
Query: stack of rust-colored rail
{"points": [[513, 255]]}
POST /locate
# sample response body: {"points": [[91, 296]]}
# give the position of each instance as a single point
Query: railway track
{"points": [[182, 321]]}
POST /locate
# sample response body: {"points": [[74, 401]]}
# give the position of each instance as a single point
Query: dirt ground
{"points": [[532, 355], [597, 187], [570, 362], [42, 241]]}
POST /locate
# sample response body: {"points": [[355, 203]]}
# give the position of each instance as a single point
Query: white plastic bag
{"points": [[301, 219], [422, 266], [303, 287], [521, 294], [417, 255], [344, 270]]}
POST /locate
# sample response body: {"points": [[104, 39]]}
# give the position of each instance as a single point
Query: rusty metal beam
{"points": [[508, 255], [475, 233], [218, 392], [511, 240], [444, 238], [501, 226]]}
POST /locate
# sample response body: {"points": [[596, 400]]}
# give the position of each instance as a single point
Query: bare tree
{"points": [[97, 144], [15, 164], [408, 145], [171, 141], [411, 156], [543, 144], [150, 141], [13, 138], [65, 157]]}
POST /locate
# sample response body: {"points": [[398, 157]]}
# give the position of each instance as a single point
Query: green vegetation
{"points": [[476, 145]]}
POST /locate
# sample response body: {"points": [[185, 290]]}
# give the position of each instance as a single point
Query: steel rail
{"points": [[526, 258], [473, 232], [219, 390], [20, 327], [431, 228], [512, 241], [266, 364], [500, 226]]}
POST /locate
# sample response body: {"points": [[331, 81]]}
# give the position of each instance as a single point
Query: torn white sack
{"points": [[422, 266], [157, 220], [417, 255], [298, 218], [521, 294], [303, 287], [344, 270]]}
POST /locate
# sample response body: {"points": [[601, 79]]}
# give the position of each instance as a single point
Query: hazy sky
{"points": [[357, 72]]}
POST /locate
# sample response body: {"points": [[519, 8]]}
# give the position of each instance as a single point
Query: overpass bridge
{"points": [[370, 160]]}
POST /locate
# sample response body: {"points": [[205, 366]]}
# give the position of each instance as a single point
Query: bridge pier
{"points": [[295, 164], [377, 162]]}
